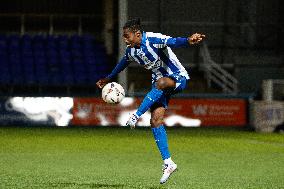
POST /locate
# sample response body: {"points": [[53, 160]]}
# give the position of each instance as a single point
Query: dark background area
{"points": [[244, 37]]}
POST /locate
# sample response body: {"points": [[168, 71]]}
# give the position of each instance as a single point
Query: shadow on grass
{"points": [[88, 185], [157, 187], [96, 185]]}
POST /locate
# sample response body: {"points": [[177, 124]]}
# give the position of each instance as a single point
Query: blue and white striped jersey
{"points": [[155, 54]]}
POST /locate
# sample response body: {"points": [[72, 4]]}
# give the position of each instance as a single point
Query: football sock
{"points": [[160, 136], [168, 161], [149, 100]]}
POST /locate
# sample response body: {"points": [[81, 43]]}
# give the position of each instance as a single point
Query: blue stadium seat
{"points": [[14, 42], [30, 77], [41, 73], [16, 73], [50, 39], [51, 60], [63, 42], [52, 54], [5, 78], [3, 43], [28, 63], [38, 54], [67, 74], [38, 43], [76, 53], [26, 42]]}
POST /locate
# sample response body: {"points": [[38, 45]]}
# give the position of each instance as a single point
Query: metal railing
{"points": [[215, 73]]}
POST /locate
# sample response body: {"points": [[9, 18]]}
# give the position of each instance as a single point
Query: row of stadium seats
{"points": [[51, 60]]}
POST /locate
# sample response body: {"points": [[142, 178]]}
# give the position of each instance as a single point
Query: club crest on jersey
{"points": [[152, 65], [142, 55]]}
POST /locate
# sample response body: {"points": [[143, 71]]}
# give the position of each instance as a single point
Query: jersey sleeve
{"points": [[123, 63], [162, 41]]}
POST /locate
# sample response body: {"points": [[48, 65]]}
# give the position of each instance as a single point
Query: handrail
{"points": [[214, 72]]}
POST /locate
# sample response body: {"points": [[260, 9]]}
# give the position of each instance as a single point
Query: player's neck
{"points": [[138, 45]]}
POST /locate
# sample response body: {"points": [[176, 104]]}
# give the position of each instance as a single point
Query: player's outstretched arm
{"points": [[118, 68], [195, 38], [161, 41]]}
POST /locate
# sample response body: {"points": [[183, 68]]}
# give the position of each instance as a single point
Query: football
{"points": [[113, 93]]}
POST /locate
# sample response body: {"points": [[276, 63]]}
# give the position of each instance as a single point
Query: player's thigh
{"points": [[157, 115], [165, 83]]}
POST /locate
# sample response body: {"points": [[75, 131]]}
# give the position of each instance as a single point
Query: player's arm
{"points": [[118, 68], [175, 42]]}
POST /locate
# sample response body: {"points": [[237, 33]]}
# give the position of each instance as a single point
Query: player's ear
{"points": [[138, 33]]}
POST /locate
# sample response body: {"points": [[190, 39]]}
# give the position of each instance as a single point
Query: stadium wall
{"points": [[237, 34], [232, 27], [82, 111]]}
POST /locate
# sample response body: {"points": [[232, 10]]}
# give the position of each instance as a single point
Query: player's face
{"points": [[131, 38]]}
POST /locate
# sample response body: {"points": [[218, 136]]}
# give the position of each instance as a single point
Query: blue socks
{"points": [[149, 100], [159, 133], [160, 136]]}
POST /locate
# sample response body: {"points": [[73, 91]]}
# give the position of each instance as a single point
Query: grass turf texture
{"points": [[123, 158]]}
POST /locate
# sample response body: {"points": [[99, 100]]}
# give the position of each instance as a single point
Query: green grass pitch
{"points": [[214, 158]]}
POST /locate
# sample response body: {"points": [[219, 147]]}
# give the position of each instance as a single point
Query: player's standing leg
{"points": [[160, 135]]}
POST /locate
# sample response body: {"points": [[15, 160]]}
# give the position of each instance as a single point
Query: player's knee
{"points": [[156, 121], [161, 84], [164, 83]]}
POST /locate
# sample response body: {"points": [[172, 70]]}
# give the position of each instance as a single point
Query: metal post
{"points": [[108, 26], [80, 30], [267, 90], [160, 17], [252, 19], [51, 25], [23, 24], [122, 17]]}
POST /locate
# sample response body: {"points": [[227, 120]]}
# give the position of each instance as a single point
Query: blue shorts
{"points": [[181, 83]]}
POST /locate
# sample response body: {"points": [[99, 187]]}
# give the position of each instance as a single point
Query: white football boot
{"points": [[132, 121], [168, 169]]}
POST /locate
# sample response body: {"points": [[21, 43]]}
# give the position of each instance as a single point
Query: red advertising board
{"points": [[221, 112], [183, 112]]}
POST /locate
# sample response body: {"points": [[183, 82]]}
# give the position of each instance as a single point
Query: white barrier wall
{"points": [[265, 116], [51, 111]]}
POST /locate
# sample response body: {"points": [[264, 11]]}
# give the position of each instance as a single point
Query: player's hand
{"points": [[195, 38], [102, 82]]}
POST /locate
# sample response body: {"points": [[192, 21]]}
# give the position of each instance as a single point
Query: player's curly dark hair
{"points": [[133, 25]]}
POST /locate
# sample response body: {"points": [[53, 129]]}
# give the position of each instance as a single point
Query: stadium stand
{"points": [[49, 60]]}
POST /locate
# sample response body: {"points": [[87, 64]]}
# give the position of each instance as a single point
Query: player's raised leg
{"points": [[160, 135], [153, 96]]}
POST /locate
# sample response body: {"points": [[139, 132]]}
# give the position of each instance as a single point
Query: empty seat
{"points": [[51, 60]]}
